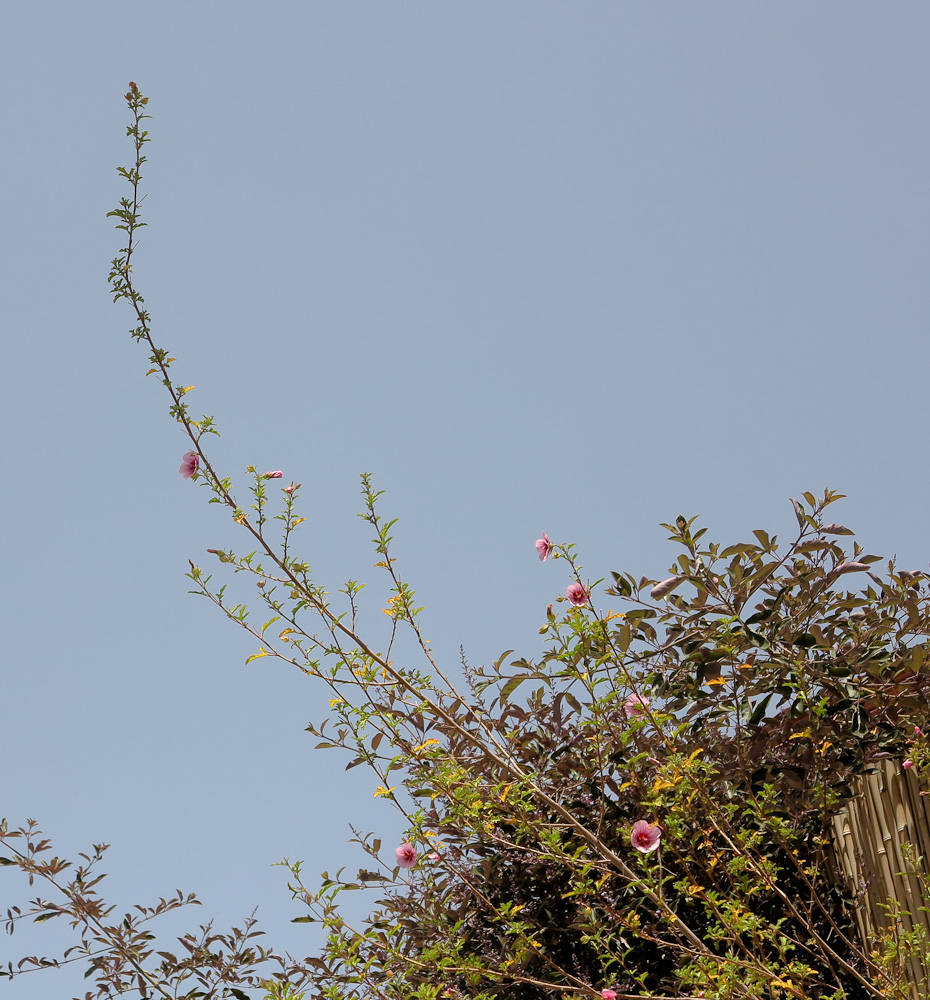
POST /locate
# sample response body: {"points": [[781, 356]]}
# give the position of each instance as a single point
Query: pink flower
{"points": [[635, 705], [543, 547], [406, 855], [274, 475], [918, 731], [577, 593], [645, 838], [434, 856], [189, 465], [907, 765], [609, 994]]}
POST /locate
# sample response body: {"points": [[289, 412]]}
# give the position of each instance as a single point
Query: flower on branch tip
{"points": [[406, 855], [543, 547], [274, 475], [189, 464], [907, 765], [645, 837], [608, 995], [433, 857], [635, 705], [577, 593]]}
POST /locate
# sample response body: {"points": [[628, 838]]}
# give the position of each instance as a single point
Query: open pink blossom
{"points": [[406, 855], [645, 837], [274, 475], [189, 464], [543, 547], [907, 765], [577, 593], [635, 705], [608, 995]]}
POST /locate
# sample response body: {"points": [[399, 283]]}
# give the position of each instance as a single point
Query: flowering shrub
{"points": [[644, 810]]}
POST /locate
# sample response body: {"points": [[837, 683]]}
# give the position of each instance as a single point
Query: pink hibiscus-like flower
{"points": [[635, 705], [274, 475], [189, 464], [577, 593], [406, 855], [645, 837], [608, 995], [543, 547]]}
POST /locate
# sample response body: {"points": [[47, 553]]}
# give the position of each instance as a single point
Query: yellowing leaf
{"points": [[297, 520], [257, 656], [714, 681], [800, 736], [333, 702], [381, 791], [428, 743], [150, 371]]}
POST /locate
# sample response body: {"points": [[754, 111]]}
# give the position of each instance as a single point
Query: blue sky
{"points": [[535, 266]]}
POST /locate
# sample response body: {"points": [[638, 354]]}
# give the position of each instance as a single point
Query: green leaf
{"points": [[501, 658], [622, 585], [508, 689], [759, 711]]}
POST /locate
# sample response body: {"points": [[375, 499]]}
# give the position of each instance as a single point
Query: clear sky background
{"points": [[536, 266]]}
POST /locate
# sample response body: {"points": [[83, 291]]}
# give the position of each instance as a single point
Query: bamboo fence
{"points": [[886, 812]]}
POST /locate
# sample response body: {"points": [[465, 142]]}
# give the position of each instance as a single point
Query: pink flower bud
{"points": [[189, 464], [543, 547], [577, 593], [608, 995], [406, 855], [274, 475], [645, 838], [918, 731], [907, 765], [433, 857]]}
